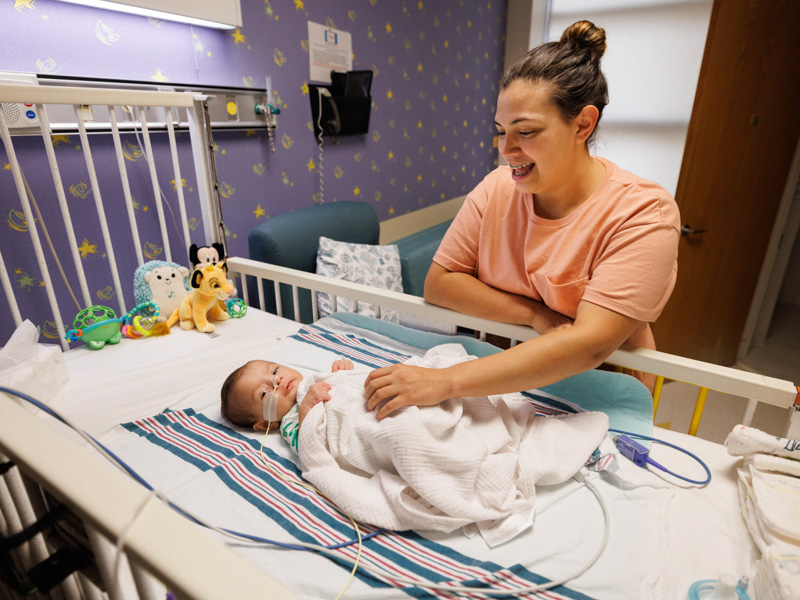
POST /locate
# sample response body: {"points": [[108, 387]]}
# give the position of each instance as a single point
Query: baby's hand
{"points": [[319, 392], [342, 364]]}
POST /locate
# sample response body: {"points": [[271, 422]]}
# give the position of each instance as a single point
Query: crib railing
{"points": [[756, 388], [160, 550], [88, 105]]}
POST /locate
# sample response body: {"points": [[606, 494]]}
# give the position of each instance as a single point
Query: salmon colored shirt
{"points": [[617, 250]]}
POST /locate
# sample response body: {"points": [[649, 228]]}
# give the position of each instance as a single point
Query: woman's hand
{"points": [[545, 319], [394, 387], [319, 392], [342, 364]]}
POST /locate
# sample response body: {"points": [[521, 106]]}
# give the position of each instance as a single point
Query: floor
{"points": [[778, 357]]}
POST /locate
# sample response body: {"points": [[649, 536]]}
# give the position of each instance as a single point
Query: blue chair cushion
{"points": [[416, 255]]}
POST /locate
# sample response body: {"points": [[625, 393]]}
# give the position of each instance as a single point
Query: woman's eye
{"points": [[528, 133], [501, 133]]}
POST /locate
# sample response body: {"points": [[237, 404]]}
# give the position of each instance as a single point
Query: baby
{"points": [[263, 395]]}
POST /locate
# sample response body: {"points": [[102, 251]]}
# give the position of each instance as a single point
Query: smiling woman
{"points": [[560, 240]]}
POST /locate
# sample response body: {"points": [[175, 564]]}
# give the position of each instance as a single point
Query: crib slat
{"points": [[37, 244], [12, 300], [295, 304], [151, 163], [62, 202], [126, 188], [278, 303], [698, 410], [657, 393], [147, 586], [749, 412], [314, 307], [178, 180], [101, 213]]}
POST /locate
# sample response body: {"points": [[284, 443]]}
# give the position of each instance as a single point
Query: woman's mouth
{"points": [[521, 171]]}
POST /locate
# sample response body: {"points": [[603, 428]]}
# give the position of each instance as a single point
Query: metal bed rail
{"points": [[756, 388], [135, 105], [161, 550]]}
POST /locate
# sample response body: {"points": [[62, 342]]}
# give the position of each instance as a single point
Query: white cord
{"points": [[319, 137], [119, 546], [391, 579]]}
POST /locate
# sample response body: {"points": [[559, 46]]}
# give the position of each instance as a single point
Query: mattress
{"points": [[155, 403]]}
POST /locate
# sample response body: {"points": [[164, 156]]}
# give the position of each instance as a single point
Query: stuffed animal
{"points": [[211, 289], [165, 283], [208, 255]]}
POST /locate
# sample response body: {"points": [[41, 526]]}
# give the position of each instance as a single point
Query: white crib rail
{"points": [[160, 544], [83, 100], [724, 379]]}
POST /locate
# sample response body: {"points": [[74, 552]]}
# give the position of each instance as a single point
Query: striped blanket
{"points": [[235, 463], [272, 488]]}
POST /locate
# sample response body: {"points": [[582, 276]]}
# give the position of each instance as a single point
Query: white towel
{"points": [[777, 574], [465, 461]]}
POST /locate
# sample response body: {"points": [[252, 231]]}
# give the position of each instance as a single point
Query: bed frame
{"points": [[163, 550]]}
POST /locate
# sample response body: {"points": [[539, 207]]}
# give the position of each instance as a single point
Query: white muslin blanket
{"points": [[467, 462]]}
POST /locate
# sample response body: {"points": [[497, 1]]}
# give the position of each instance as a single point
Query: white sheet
{"points": [[467, 461], [662, 539]]}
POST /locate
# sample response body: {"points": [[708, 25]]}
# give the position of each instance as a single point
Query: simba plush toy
{"points": [[211, 289], [165, 283]]}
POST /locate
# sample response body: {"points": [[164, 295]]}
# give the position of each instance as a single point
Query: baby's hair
{"points": [[570, 67], [232, 414]]}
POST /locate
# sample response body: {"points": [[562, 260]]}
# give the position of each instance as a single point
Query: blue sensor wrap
{"points": [[631, 449]]}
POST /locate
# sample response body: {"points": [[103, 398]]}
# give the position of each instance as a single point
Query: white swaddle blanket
{"points": [[466, 462]]}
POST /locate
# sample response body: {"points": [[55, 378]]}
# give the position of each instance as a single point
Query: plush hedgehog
{"points": [[165, 283]]}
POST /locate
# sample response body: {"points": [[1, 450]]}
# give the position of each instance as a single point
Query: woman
{"points": [[568, 243]]}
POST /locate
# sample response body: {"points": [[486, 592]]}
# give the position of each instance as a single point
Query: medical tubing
{"points": [[328, 550], [122, 465], [663, 468]]}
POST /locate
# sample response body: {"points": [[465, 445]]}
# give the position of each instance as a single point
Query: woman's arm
{"points": [[469, 295], [596, 333]]}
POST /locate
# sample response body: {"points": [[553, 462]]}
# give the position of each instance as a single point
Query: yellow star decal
{"points": [[444, 98], [298, 4], [86, 248], [388, 28], [57, 139], [391, 210], [7, 167], [419, 67], [238, 38], [419, 124], [159, 76], [419, 177], [446, 44], [389, 94], [304, 88], [258, 212], [25, 3], [420, 4], [311, 165], [356, 191], [390, 155]]}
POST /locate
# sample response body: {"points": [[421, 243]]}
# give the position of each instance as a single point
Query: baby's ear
{"points": [[262, 425]]}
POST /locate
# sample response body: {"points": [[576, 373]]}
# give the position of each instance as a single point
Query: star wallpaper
{"points": [[435, 66]]}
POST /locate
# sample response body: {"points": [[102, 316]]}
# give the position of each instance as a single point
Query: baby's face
{"points": [[257, 381]]}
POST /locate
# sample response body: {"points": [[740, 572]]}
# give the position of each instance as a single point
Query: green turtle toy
{"points": [[97, 326]]}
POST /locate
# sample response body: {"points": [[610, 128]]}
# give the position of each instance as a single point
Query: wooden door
{"points": [[741, 139]]}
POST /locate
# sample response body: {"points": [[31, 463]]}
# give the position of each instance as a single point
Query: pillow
{"points": [[378, 266]]}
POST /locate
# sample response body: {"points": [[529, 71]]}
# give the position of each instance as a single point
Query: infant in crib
{"points": [[263, 395]]}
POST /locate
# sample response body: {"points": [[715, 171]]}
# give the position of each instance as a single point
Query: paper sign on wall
{"points": [[328, 49]]}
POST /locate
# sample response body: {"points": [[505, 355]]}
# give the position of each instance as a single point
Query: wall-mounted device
{"points": [[343, 107], [20, 117]]}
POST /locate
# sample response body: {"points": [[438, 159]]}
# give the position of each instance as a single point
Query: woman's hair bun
{"points": [[588, 35]]}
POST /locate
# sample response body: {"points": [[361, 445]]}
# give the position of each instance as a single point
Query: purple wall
{"points": [[435, 67]]}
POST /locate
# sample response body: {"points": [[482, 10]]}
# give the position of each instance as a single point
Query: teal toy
{"points": [[97, 326], [236, 307]]}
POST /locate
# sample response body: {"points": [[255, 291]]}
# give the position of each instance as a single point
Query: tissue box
{"points": [[37, 370]]}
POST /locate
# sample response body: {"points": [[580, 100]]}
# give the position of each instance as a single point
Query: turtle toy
{"points": [[97, 326]]}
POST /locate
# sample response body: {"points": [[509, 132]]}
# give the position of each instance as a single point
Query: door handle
{"points": [[686, 230]]}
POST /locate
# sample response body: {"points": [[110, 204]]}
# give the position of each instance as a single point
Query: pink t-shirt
{"points": [[617, 250]]}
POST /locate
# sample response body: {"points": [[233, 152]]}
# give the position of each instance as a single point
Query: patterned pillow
{"points": [[378, 266]]}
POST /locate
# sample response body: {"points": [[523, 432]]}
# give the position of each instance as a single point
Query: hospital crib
{"points": [[42, 469]]}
